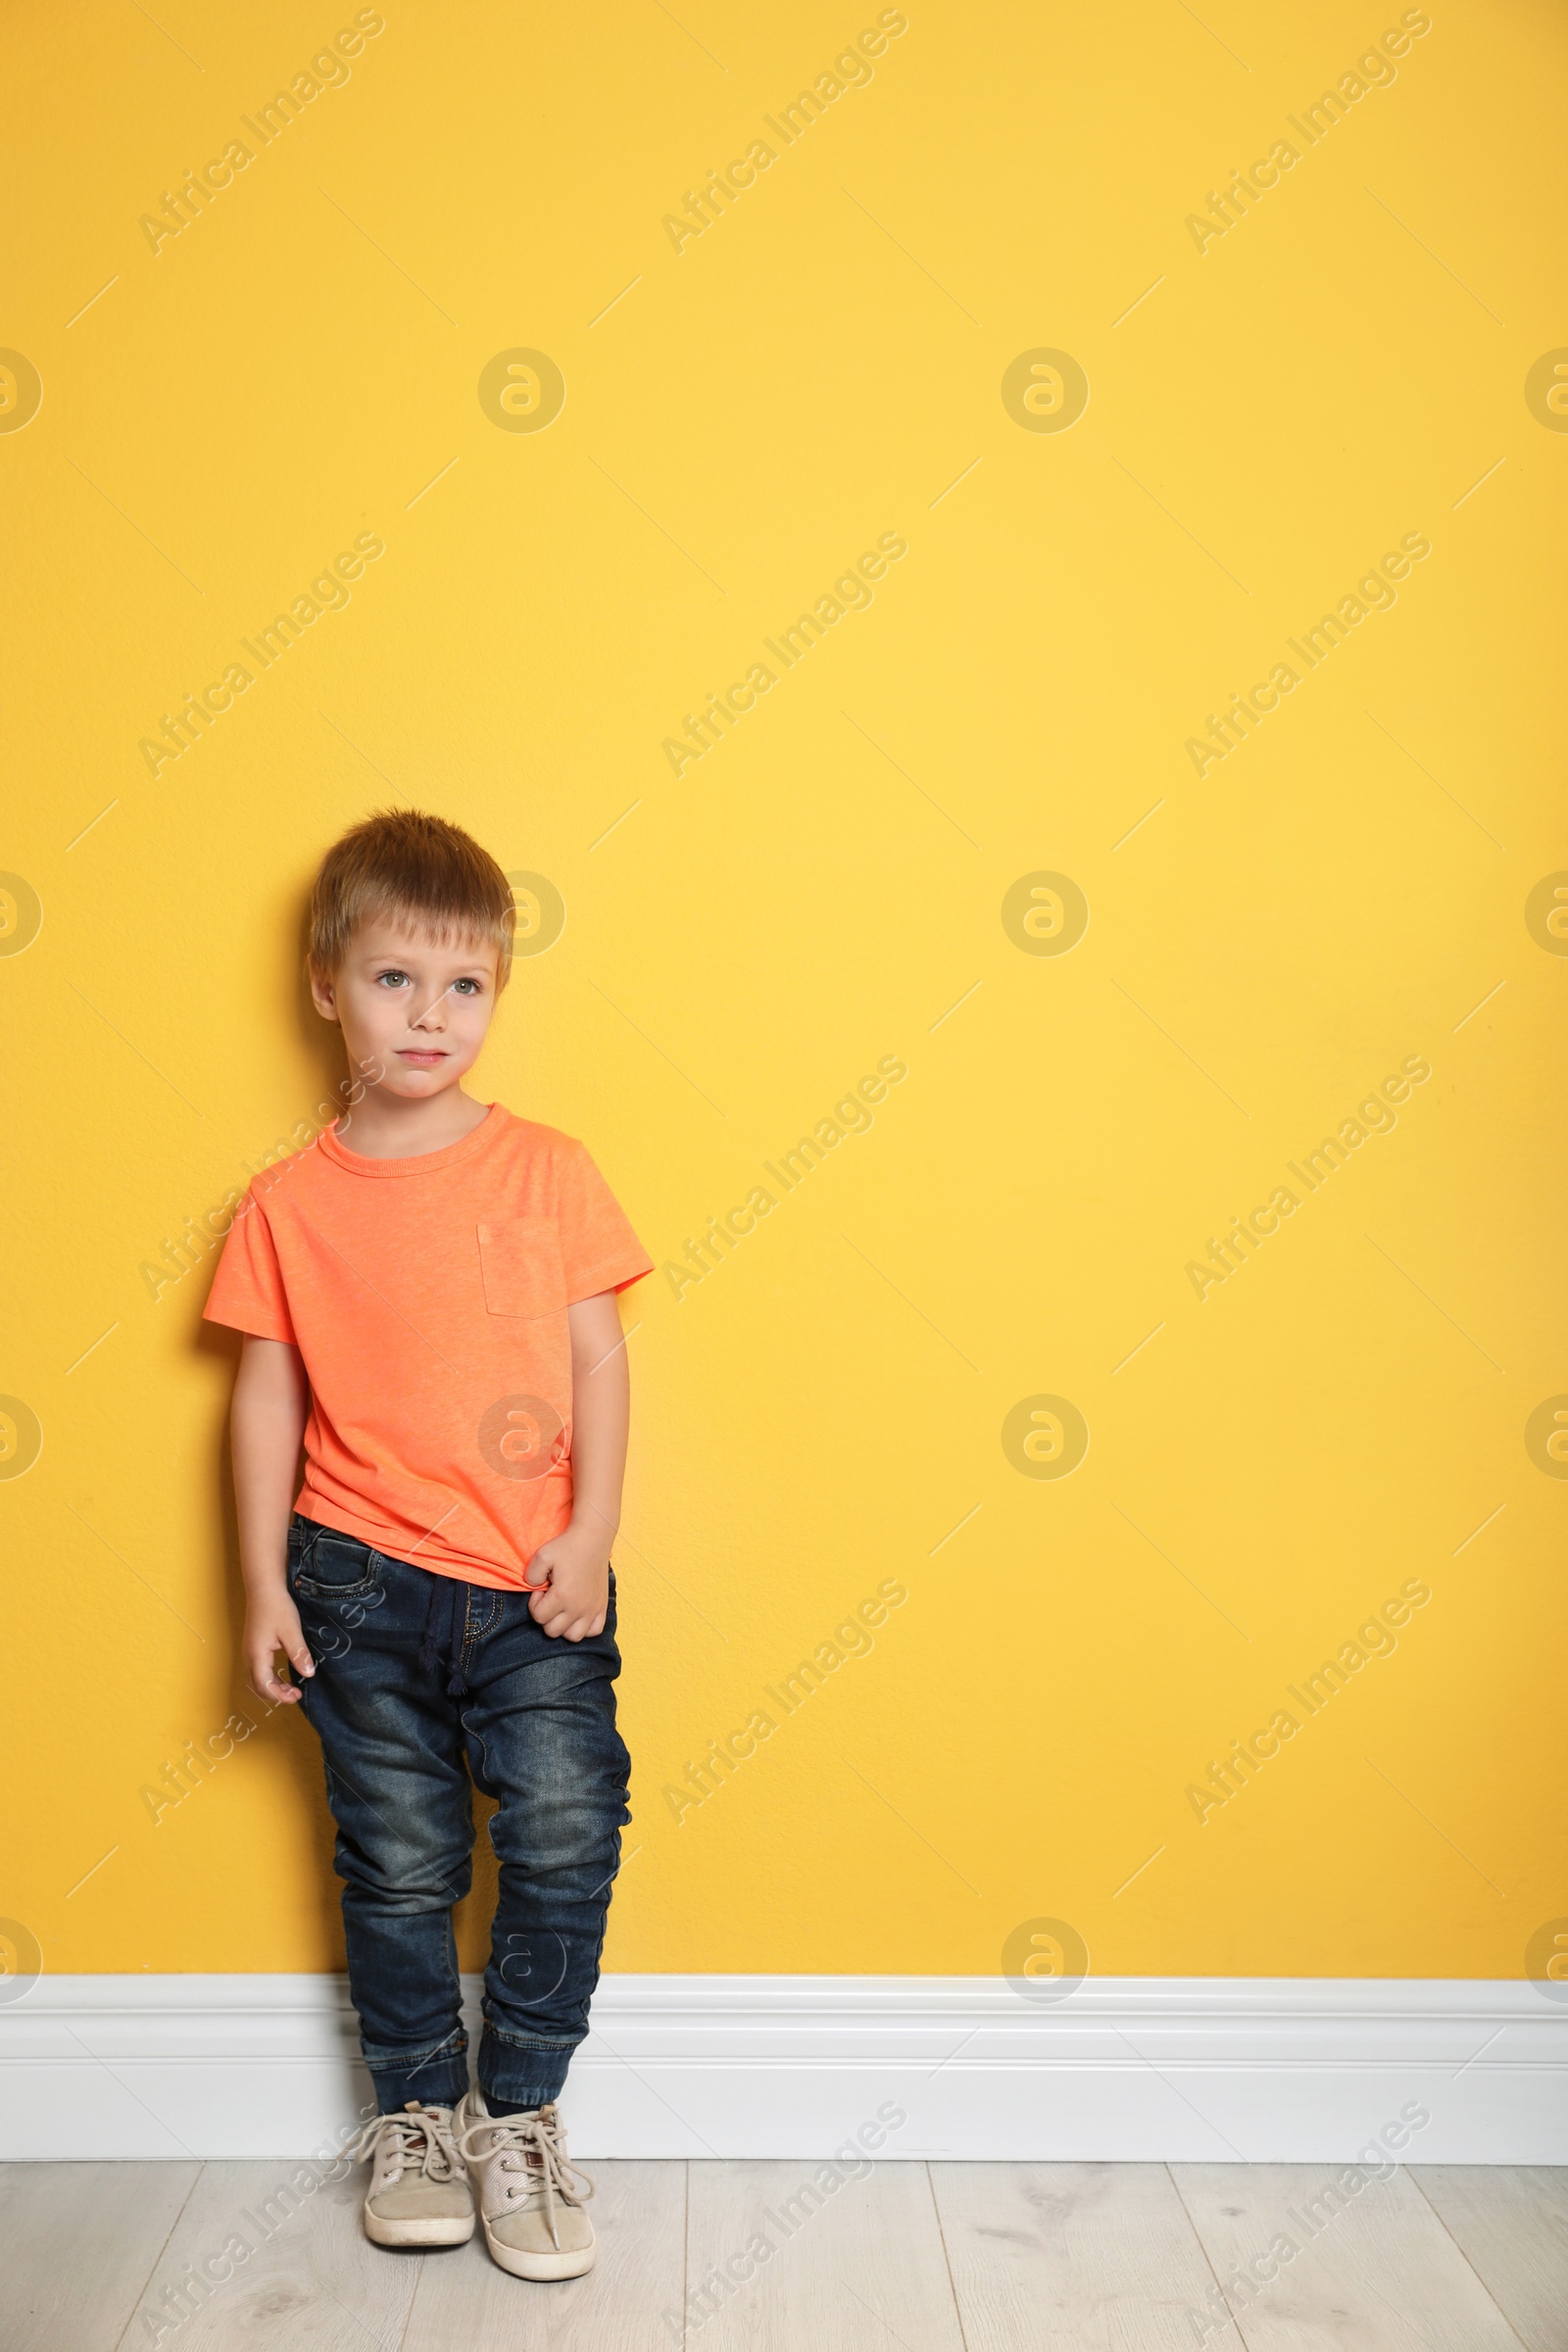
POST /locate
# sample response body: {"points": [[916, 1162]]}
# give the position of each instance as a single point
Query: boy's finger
{"points": [[266, 1685], [301, 1659]]}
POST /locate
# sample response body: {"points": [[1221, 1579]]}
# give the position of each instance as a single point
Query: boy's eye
{"points": [[473, 986], [396, 978]]}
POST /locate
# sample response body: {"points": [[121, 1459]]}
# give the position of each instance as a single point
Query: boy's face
{"points": [[413, 1013]]}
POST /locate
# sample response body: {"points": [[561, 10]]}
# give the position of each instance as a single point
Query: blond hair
{"points": [[402, 861]]}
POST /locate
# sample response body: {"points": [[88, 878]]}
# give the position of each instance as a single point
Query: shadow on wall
{"points": [[233, 1705]]}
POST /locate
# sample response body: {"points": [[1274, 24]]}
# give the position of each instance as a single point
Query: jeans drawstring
{"points": [[441, 1642]]}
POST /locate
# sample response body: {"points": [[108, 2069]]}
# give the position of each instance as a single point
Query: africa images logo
{"points": [[523, 1437]]}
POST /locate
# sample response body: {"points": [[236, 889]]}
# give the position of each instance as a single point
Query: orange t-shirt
{"points": [[428, 1299]]}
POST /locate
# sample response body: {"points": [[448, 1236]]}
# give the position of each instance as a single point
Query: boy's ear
{"points": [[324, 996]]}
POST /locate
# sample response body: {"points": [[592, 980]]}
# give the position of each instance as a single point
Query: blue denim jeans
{"points": [[420, 1680]]}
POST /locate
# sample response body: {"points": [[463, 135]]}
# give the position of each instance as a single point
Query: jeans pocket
{"points": [[336, 1567]]}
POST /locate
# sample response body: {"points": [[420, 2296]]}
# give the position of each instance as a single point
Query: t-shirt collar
{"points": [[424, 1163]]}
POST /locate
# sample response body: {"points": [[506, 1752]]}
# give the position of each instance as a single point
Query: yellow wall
{"points": [[1268, 1463]]}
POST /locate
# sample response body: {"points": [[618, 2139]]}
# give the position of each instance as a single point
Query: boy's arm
{"points": [[576, 1562], [267, 1426]]}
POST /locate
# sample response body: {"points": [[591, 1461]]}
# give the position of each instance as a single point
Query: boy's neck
{"points": [[385, 1126]]}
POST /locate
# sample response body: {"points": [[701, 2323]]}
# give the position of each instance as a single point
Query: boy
{"points": [[427, 1294]]}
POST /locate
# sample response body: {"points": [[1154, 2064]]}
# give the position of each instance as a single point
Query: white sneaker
{"points": [[530, 2198], [418, 2193]]}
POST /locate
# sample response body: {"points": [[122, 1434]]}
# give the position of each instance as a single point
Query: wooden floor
{"points": [[932, 2258]]}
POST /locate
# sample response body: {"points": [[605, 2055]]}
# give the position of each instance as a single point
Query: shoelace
{"points": [[411, 2133], [531, 2145]]}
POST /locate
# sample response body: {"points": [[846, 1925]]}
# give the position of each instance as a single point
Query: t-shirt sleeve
{"points": [[248, 1293], [597, 1247]]}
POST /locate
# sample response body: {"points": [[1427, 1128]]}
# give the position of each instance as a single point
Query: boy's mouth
{"points": [[422, 1057]]}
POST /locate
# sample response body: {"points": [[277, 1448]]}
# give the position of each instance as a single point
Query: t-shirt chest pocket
{"points": [[522, 1271]]}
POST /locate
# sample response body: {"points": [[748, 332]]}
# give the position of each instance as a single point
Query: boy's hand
{"points": [[577, 1598], [272, 1625]]}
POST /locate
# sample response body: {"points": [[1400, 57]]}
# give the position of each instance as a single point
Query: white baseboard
{"points": [[1184, 2069]]}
